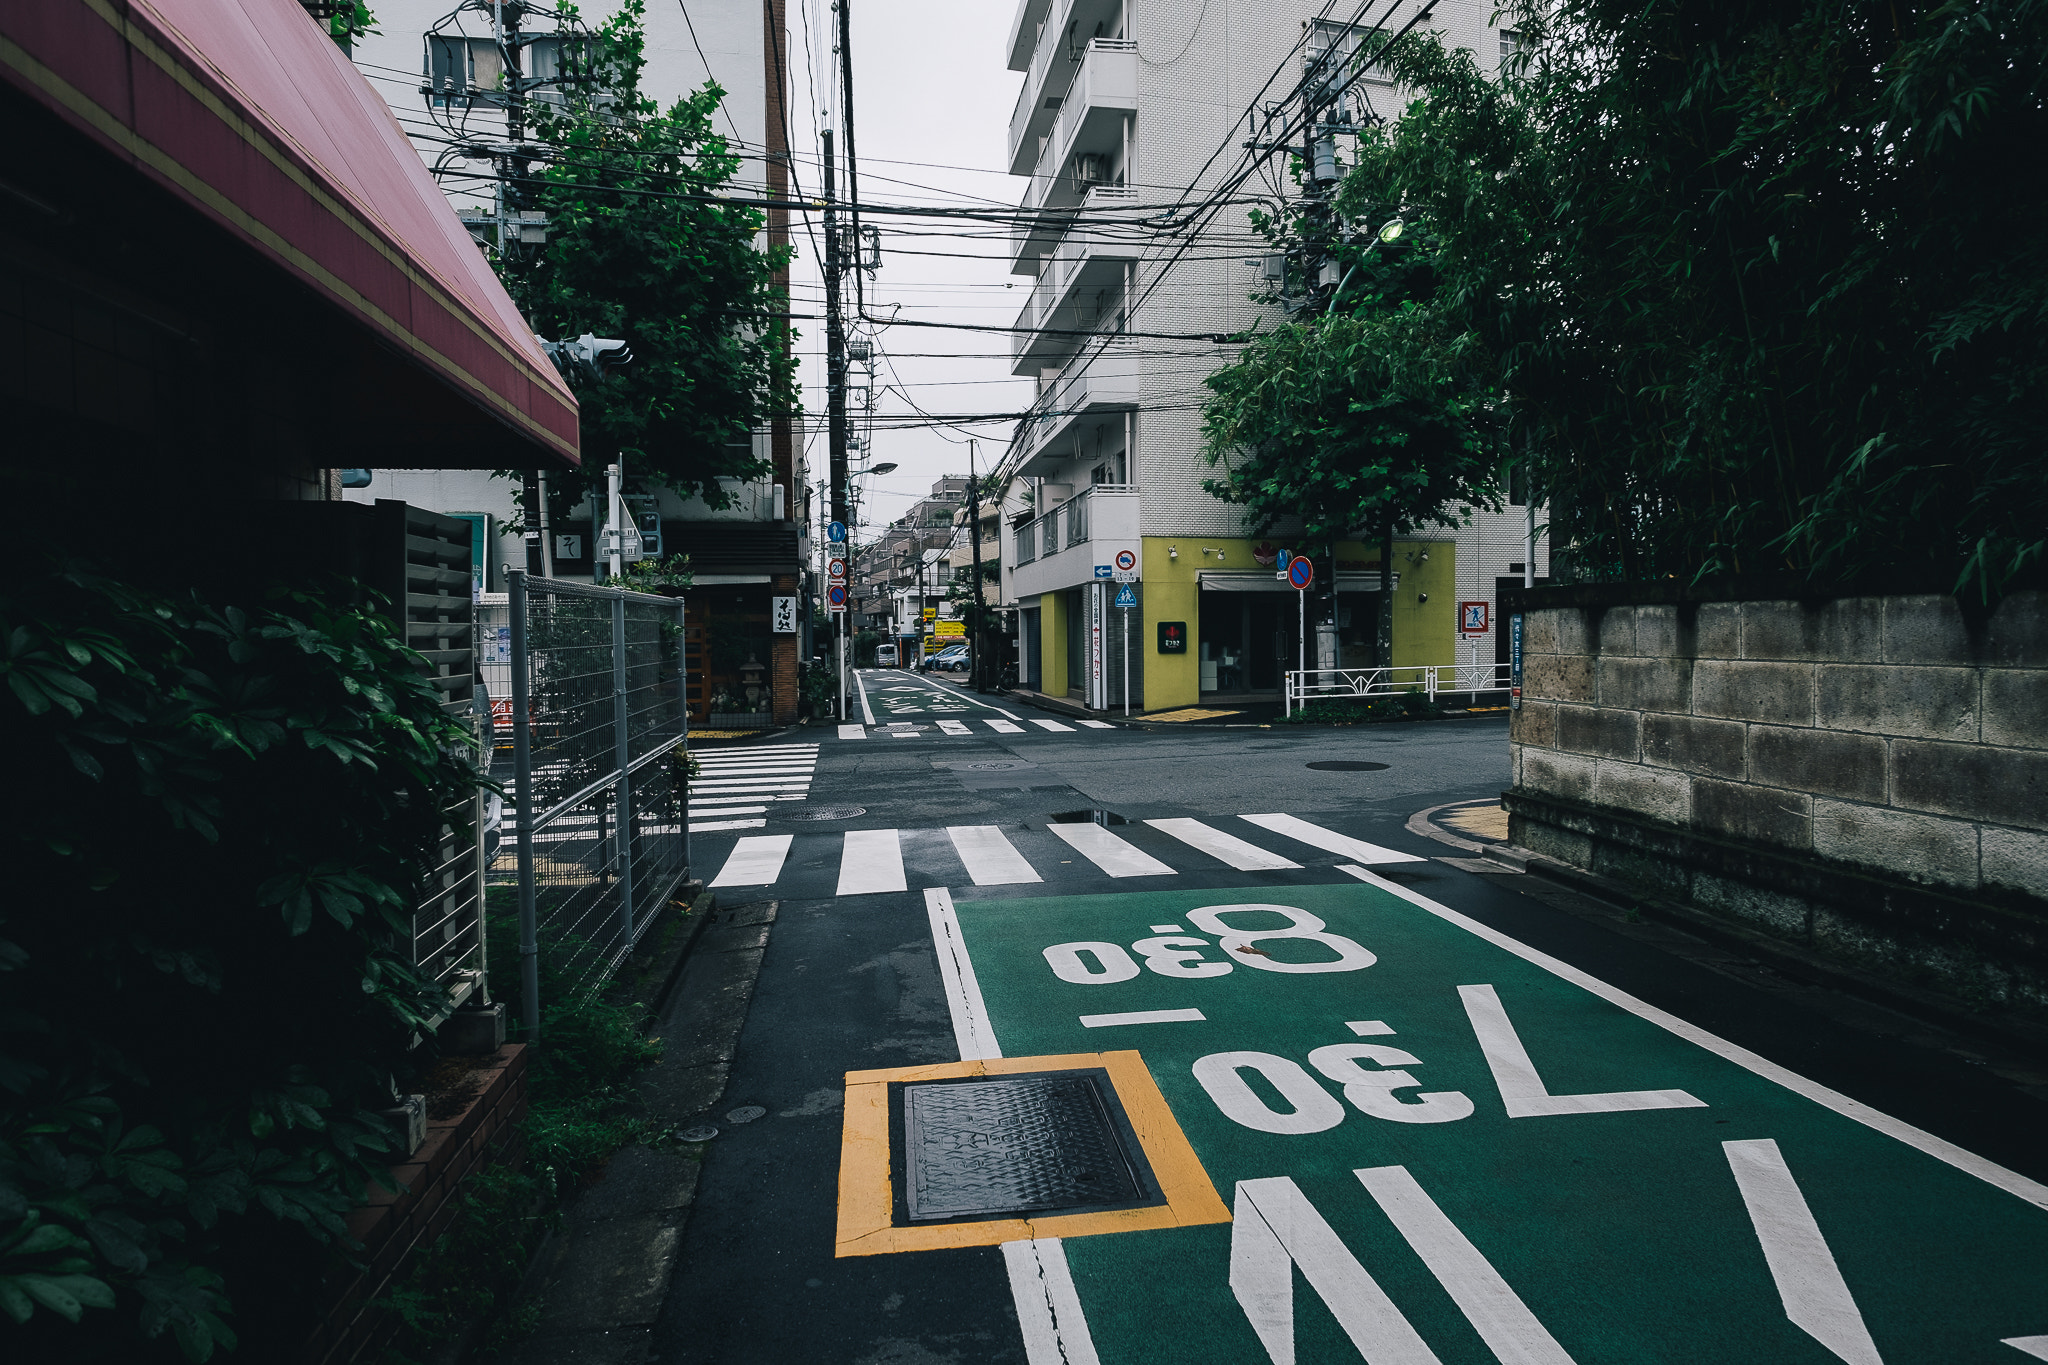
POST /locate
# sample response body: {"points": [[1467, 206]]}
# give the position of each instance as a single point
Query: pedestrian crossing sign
{"points": [[1126, 597]]}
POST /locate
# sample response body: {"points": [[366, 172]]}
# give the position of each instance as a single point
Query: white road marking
{"points": [[852, 732], [1111, 854], [1096, 724], [1048, 1310], [971, 1029], [1816, 1298], [866, 710], [1317, 837], [959, 694], [1522, 1090], [1226, 847], [1006, 727], [954, 727], [696, 800], [1274, 1229], [871, 861], [1053, 725], [724, 806], [1496, 1312], [715, 772], [906, 732], [2036, 1347], [755, 861], [990, 859], [1990, 1172], [1142, 1017], [710, 826], [709, 788]]}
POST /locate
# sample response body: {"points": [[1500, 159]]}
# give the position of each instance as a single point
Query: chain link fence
{"points": [[596, 773]]}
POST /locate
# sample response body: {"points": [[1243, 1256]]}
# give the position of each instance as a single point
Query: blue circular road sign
{"points": [[836, 532], [1300, 572]]}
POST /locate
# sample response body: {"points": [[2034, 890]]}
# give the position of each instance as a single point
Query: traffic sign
{"points": [[836, 532], [1103, 571], [835, 597], [1300, 572], [1474, 618], [1127, 597], [835, 569], [1126, 561], [1124, 576]]}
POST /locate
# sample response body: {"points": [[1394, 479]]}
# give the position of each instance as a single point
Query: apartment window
{"points": [[1334, 51], [1510, 44]]}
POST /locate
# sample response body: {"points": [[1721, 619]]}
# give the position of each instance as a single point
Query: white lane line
{"points": [[1521, 1089], [712, 826], [961, 694], [696, 800], [2037, 1347], [1053, 725], [954, 727], [852, 732], [1006, 727], [1111, 854], [755, 769], [971, 1028], [1226, 847], [725, 806], [710, 788], [1048, 1310], [1096, 724], [755, 861], [1142, 1017], [871, 861], [990, 859], [1496, 1312], [1816, 1298], [1317, 837], [1990, 1172], [866, 710]]}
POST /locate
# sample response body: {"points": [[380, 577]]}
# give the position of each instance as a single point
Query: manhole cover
{"points": [[746, 1113], [993, 765], [827, 813], [1345, 765], [1087, 817], [703, 1132], [1017, 1145]]}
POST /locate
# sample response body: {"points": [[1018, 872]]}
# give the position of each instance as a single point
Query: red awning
{"points": [[249, 112]]}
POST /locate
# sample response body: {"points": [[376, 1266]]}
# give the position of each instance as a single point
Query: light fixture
{"points": [[1422, 597], [1394, 228], [1172, 553], [886, 467]]}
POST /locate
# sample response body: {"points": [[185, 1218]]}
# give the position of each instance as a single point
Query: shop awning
{"points": [[248, 112], [1268, 581]]}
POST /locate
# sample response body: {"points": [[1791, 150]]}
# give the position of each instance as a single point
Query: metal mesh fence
{"points": [[601, 834]]}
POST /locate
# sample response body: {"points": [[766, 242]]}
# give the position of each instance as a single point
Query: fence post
{"points": [[622, 758], [522, 789], [683, 720]]}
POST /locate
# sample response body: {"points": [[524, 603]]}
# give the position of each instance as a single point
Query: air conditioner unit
{"points": [[1091, 169]]}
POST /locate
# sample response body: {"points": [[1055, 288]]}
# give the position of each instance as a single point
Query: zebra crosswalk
{"points": [[871, 861], [733, 787], [954, 729]]}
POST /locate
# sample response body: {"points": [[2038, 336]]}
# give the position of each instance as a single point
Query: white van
{"points": [[885, 656]]}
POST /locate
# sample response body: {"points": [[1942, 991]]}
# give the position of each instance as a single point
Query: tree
{"points": [[638, 248], [1368, 415], [1756, 284]]}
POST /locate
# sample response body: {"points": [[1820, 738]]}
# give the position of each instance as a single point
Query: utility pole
{"points": [[835, 393], [974, 649]]}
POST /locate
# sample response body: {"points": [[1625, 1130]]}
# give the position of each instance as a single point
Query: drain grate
{"points": [[1017, 1145], [1087, 817]]}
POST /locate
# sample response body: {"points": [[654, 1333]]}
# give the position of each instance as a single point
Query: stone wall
{"points": [[1864, 774]]}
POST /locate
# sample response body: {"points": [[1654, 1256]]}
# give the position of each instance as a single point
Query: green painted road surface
{"points": [[1661, 1197]]}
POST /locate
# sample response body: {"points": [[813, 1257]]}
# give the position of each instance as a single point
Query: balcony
{"points": [[1082, 267], [1049, 208], [1098, 381], [1056, 57], [1065, 544]]}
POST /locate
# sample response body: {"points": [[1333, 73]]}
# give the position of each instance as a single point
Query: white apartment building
{"points": [[1130, 107]]}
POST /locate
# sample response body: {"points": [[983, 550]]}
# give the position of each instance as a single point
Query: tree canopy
{"points": [[639, 249], [1755, 287]]}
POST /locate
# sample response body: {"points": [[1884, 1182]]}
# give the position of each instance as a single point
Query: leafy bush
{"points": [[215, 822]]}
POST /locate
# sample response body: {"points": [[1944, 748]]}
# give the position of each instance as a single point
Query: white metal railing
{"points": [[1076, 509], [1372, 684], [1027, 542]]}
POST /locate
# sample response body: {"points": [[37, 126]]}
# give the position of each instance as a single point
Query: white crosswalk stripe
{"points": [[872, 861], [755, 861], [1006, 727], [1113, 855], [990, 859], [1098, 725], [1329, 840], [932, 728], [1053, 725], [1228, 847], [955, 727], [853, 732], [775, 772]]}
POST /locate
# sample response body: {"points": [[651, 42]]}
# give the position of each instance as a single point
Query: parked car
{"points": [[960, 663], [942, 658], [885, 656]]}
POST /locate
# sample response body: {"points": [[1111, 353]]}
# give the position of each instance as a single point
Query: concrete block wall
{"points": [[1857, 746]]}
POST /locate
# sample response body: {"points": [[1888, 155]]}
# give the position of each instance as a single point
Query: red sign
{"points": [[1474, 618], [501, 713]]}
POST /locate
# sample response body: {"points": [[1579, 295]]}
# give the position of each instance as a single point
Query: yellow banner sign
{"points": [[950, 628], [931, 613]]}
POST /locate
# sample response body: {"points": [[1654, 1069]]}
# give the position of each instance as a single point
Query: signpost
{"points": [[1126, 598], [1301, 573], [836, 532]]}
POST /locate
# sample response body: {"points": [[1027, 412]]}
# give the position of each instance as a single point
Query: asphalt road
{"points": [[1480, 1118]]}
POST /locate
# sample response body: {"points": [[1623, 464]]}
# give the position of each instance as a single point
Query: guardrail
{"points": [[1371, 684]]}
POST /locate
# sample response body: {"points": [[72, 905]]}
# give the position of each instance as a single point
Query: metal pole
{"points": [[547, 538], [683, 719], [522, 795], [622, 758], [980, 679], [1301, 632], [618, 543], [1127, 663]]}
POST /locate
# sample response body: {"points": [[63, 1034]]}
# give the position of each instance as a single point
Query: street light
{"points": [[884, 468]]}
